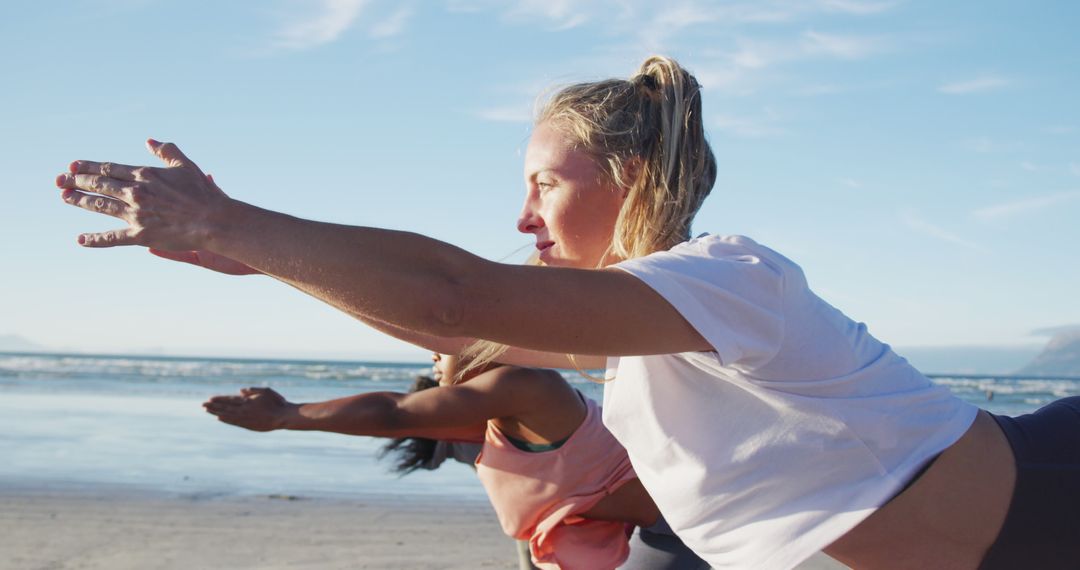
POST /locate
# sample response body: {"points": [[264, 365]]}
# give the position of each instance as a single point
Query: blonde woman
{"points": [[765, 423]]}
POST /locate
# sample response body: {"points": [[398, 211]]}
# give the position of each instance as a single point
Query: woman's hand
{"points": [[256, 409], [168, 208]]}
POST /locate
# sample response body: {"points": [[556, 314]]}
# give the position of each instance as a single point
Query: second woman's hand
{"points": [[171, 208], [256, 409]]}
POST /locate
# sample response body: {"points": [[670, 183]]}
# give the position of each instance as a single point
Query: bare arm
{"points": [[444, 345], [449, 412], [414, 283], [405, 280]]}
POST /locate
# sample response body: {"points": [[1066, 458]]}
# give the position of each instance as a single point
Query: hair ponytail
{"points": [[648, 135], [412, 453]]}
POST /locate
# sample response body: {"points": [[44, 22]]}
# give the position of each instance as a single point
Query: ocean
{"points": [[136, 422]]}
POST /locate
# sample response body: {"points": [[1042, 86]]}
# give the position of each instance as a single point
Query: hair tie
{"points": [[648, 81]]}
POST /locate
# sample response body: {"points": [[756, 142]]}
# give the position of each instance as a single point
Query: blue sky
{"points": [[920, 160]]}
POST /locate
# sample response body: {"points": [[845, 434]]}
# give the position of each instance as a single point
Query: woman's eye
{"points": [[544, 185]]}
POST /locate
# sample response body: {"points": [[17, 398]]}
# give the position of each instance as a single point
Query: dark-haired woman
{"points": [[554, 474]]}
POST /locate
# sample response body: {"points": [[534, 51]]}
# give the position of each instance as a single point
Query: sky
{"points": [[920, 160]]}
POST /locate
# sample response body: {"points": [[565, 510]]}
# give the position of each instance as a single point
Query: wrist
{"points": [[289, 417], [222, 223]]}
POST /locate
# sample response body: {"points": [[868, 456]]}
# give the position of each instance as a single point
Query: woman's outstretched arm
{"points": [[448, 412], [403, 279], [443, 345]]}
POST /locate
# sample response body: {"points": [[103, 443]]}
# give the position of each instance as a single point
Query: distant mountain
{"points": [[1061, 357], [16, 343], [968, 359]]}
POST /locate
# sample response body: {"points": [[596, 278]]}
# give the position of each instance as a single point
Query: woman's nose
{"points": [[528, 221]]}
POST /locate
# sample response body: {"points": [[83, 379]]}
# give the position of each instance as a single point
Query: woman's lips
{"points": [[543, 245]]}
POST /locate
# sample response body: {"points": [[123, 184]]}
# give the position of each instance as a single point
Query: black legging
{"points": [[1042, 527], [657, 548]]}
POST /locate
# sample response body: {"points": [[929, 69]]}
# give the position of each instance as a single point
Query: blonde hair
{"points": [[647, 134]]}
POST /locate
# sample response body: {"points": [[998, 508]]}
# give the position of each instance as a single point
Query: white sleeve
{"points": [[731, 296]]}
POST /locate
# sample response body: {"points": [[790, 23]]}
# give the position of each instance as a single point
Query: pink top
{"points": [[538, 495]]}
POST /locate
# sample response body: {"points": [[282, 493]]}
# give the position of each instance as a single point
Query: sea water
{"points": [[70, 420], [79, 420]]}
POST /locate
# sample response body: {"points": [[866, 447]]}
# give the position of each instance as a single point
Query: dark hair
{"points": [[412, 453]]}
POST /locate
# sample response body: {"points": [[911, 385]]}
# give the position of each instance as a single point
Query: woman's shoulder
{"points": [[706, 254], [525, 382], [726, 246]]}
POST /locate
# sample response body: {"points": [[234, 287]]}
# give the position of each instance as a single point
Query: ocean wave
{"points": [[151, 370]]}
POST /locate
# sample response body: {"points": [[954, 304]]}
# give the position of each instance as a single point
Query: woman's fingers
{"points": [[169, 153], [98, 184], [113, 238], [96, 203], [225, 400], [256, 390], [222, 407], [109, 170], [108, 206], [166, 208]]}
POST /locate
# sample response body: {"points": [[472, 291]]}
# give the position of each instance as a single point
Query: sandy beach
{"points": [[114, 529], [120, 529]]}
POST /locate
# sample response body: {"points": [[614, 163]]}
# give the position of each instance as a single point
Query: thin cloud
{"points": [[857, 7], [744, 62], [844, 47], [1030, 166], [746, 127], [976, 85], [326, 23], [921, 226], [810, 45], [739, 70], [562, 14], [506, 114], [393, 24], [820, 89], [987, 145], [1074, 167], [1059, 130], [684, 16], [1015, 208], [653, 23]]}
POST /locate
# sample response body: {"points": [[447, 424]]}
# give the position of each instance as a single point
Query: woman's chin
{"points": [[554, 259], [548, 257]]}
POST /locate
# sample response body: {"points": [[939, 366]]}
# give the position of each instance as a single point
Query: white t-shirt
{"points": [[794, 430]]}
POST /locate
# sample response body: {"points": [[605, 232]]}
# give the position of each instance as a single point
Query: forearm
{"points": [[371, 414], [379, 276], [400, 283]]}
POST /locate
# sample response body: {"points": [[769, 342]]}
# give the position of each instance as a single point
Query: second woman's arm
{"points": [[449, 412]]}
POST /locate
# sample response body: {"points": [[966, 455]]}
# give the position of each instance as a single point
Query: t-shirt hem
{"points": [[830, 530]]}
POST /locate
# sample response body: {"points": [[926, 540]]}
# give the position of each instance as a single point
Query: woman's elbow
{"points": [[447, 312], [460, 302]]}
